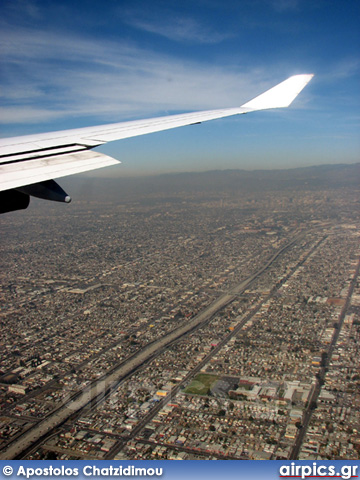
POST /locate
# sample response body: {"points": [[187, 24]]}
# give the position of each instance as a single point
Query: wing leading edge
{"points": [[27, 161]]}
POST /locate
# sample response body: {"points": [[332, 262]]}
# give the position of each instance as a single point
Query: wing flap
{"points": [[18, 174]]}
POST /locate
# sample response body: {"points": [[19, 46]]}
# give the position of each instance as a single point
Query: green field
{"points": [[201, 384]]}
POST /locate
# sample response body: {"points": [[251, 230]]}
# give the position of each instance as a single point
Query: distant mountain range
{"points": [[215, 181]]}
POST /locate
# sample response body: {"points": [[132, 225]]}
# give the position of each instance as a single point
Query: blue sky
{"points": [[68, 64]]}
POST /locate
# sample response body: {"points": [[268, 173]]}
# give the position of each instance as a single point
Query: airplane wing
{"points": [[29, 164]]}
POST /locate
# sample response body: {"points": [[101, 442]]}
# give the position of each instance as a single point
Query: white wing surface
{"points": [[27, 161]]}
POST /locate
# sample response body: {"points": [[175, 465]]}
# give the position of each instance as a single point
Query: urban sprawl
{"points": [[193, 327]]}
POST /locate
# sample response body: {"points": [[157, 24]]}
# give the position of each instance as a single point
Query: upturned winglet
{"points": [[282, 95]]}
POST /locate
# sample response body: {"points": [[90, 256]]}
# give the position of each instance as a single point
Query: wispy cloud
{"points": [[48, 75], [178, 29], [28, 9], [29, 114], [347, 67], [284, 5]]}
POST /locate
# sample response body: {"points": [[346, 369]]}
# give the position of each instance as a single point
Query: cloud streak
{"points": [[178, 29], [52, 76], [284, 5]]}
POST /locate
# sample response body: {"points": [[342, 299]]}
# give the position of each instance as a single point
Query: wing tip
{"points": [[282, 95]]}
